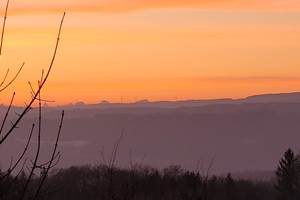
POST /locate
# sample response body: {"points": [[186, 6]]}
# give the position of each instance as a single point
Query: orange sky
{"points": [[22, 6], [159, 50]]}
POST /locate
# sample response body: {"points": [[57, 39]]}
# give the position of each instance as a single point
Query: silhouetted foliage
{"points": [[230, 193], [288, 177], [109, 182], [172, 183]]}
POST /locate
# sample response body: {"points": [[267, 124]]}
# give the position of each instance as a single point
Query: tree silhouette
{"points": [[229, 187], [14, 182], [287, 176]]}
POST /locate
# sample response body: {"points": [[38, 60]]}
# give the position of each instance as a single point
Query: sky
{"points": [[127, 50]]}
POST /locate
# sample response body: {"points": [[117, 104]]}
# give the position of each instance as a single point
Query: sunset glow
{"points": [[158, 50]]}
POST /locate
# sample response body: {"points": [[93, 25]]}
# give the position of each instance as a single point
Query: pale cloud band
{"points": [[24, 6]]}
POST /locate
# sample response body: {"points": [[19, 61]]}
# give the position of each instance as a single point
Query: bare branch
{"points": [[14, 78], [7, 112], [52, 157], [3, 26], [27, 108], [115, 151], [22, 155], [34, 163], [5, 77]]}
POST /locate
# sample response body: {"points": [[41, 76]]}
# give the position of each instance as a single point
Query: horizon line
{"points": [[149, 101]]}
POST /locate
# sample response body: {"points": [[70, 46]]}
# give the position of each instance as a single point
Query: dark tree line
{"points": [[144, 183], [108, 182]]}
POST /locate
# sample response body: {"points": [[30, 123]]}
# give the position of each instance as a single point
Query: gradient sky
{"points": [[154, 49]]}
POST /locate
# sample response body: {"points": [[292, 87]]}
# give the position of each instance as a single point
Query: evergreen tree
{"points": [[287, 176]]}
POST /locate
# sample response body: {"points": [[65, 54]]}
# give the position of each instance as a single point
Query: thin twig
{"points": [[33, 167], [22, 155], [27, 108], [5, 77], [52, 157], [14, 78], [3, 26], [7, 112]]}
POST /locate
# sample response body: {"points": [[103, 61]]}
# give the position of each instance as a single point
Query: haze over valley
{"points": [[240, 135]]}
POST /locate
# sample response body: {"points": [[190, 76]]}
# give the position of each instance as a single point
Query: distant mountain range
{"points": [[239, 135], [263, 98]]}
